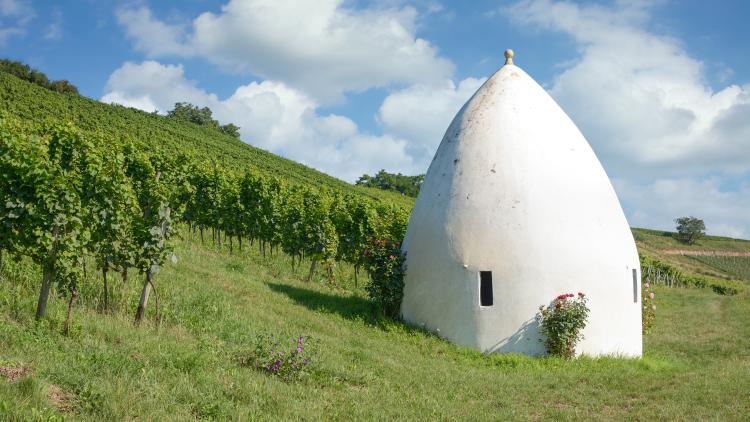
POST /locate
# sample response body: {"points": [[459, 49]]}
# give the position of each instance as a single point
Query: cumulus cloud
{"points": [[656, 204], [324, 48], [310, 54], [152, 86], [422, 113], [639, 97], [666, 137], [271, 115], [150, 35], [15, 16]]}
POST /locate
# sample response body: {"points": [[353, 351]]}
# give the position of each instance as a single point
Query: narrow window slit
{"points": [[635, 285], [485, 288]]}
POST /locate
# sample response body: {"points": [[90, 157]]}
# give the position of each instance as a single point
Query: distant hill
{"points": [[714, 256], [34, 103]]}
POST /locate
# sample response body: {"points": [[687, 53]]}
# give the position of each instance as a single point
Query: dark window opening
{"points": [[635, 285], [485, 288]]}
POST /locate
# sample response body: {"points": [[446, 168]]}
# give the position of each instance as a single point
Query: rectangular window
{"points": [[635, 285], [485, 288]]}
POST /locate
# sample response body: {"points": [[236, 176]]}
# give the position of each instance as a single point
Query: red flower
{"points": [[562, 297], [570, 294], [398, 244], [557, 306], [581, 294]]}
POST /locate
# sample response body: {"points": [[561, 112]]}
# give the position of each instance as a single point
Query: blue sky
{"points": [[660, 89]]}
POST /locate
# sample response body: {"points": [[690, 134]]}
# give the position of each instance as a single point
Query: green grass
{"points": [[659, 239], [696, 364], [654, 243]]}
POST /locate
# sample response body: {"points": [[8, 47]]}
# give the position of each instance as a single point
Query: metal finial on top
{"points": [[509, 56]]}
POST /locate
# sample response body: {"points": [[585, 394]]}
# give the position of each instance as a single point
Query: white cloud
{"points": [[152, 86], [324, 48], [656, 204], [15, 16], [639, 97], [151, 35], [54, 29], [643, 103], [422, 113], [271, 115], [311, 54]]}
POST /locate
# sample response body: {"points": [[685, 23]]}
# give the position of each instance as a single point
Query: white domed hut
{"points": [[516, 209]]}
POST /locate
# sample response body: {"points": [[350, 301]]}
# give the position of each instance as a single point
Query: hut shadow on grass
{"points": [[349, 307], [353, 308]]}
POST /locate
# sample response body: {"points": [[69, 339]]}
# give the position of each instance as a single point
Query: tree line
{"points": [[182, 111], [66, 195], [27, 73], [203, 117], [405, 185]]}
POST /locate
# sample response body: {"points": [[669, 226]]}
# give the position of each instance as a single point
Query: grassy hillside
{"points": [[696, 364], [666, 240], [664, 246], [34, 103]]}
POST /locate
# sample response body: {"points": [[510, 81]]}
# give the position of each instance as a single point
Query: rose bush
{"points": [[385, 265], [562, 322], [649, 307]]}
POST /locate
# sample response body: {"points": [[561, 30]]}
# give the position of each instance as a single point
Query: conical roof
{"points": [[515, 189]]}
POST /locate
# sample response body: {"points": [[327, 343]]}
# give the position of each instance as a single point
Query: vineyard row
{"points": [[66, 194]]}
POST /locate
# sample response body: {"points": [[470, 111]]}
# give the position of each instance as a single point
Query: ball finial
{"points": [[509, 56]]}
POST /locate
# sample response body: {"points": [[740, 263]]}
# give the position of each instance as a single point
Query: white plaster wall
{"points": [[515, 189]]}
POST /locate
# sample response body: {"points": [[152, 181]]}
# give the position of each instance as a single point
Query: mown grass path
{"points": [[697, 363]]}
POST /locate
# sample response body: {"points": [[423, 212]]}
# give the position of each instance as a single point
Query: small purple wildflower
{"points": [[286, 363]]}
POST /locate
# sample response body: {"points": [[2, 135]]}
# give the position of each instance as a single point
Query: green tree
{"points": [[202, 116], [230, 129], [27, 73], [406, 185], [191, 113], [690, 229], [63, 86]]}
